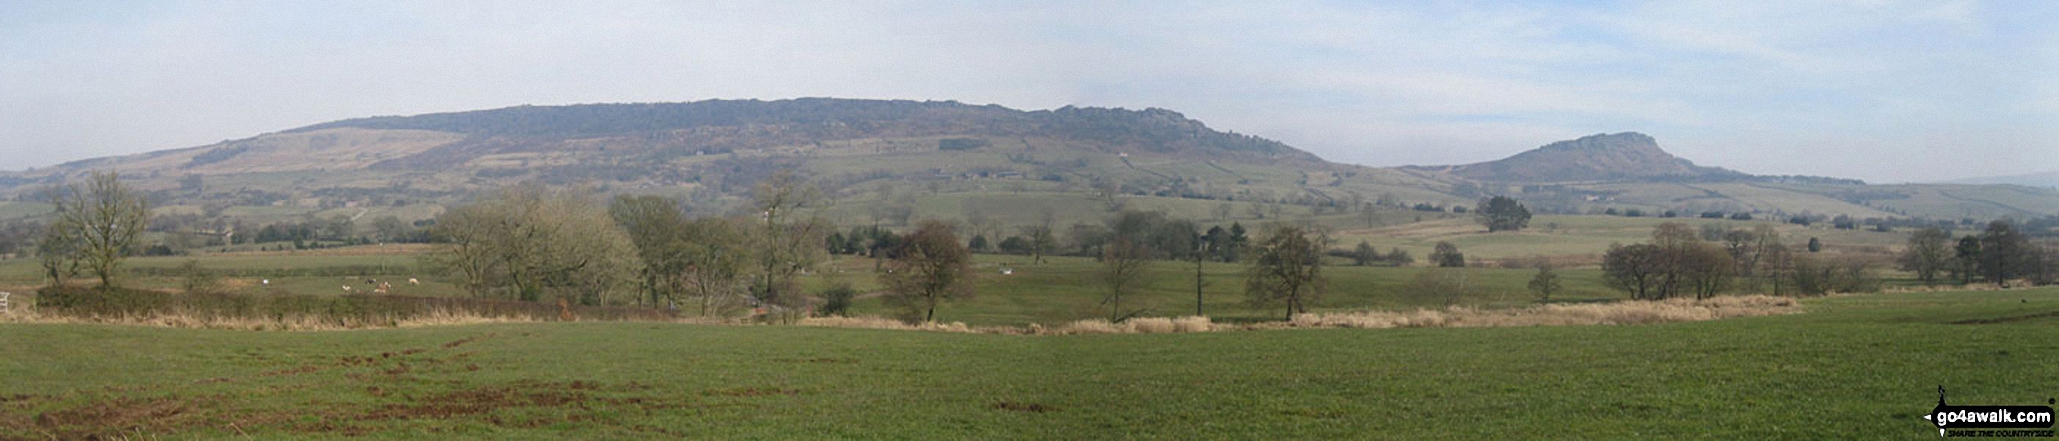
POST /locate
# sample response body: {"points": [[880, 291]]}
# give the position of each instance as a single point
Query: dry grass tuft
{"points": [[1616, 313], [1192, 324], [1094, 326], [439, 317], [1948, 287], [874, 322], [1150, 325], [1143, 325]]}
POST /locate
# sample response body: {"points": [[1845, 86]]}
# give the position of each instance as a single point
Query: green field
{"points": [[1850, 367], [1065, 289], [1590, 236], [1061, 290]]}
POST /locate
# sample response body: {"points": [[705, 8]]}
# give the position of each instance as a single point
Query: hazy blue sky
{"points": [[1880, 90]]}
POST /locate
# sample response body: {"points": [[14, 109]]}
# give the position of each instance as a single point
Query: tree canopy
{"points": [[930, 267], [1502, 213]]}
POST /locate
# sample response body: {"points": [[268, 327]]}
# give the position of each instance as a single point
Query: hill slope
{"points": [[1627, 156], [2048, 179], [896, 159]]}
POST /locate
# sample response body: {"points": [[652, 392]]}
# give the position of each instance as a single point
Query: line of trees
{"points": [[1680, 262], [1999, 254], [531, 242], [721, 264]]}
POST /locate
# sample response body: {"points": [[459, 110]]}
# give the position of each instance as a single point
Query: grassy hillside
{"points": [[942, 158], [1851, 367]]}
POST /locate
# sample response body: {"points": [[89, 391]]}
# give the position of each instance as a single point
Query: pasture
{"points": [[1851, 367], [1062, 289]]}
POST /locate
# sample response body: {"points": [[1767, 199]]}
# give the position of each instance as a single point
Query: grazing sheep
{"points": [[346, 288], [412, 281]]}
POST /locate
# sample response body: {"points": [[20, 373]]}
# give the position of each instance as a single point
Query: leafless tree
{"points": [[1124, 262], [930, 267], [102, 219], [1286, 267]]}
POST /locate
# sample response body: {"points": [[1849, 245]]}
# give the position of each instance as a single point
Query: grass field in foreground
{"points": [[1852, 367]]}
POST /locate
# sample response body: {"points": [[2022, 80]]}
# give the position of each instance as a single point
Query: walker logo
{"points": [[1990, 421]]}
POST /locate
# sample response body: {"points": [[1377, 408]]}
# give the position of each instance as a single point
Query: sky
{"points": [[1885, 91]]}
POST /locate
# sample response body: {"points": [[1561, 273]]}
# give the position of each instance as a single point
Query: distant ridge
{"points": [[2048, 179], [1627, 156], [814, 119], [878, 155]]}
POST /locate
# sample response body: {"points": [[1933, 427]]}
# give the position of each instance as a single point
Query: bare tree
{"points": [[716, 257], [1109, 191], [930, 267], [1927, 254], [1198, 252], [981, 224], [1632, 268], [786, 243], [654, 224], [1124, 261], [531, 242], [1041, 237], [105, 217], [1442, 285], [1769, 260], [58, 251], [1286, 267], [1705, 268], [2002, 252]]}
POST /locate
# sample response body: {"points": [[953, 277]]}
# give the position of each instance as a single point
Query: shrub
{"points": [[836, 301], [98, 301], [195, 279], [960, 143]]}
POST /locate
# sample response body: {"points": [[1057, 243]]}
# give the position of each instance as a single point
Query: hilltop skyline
{"points": [[1886, 92]]}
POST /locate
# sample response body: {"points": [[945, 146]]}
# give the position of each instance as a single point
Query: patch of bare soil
{"points": [[125, 416], [463, 341], [386, 376], [2009, 319], [819, 360], [578, 399], [751, 392], [1024, 407]]}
